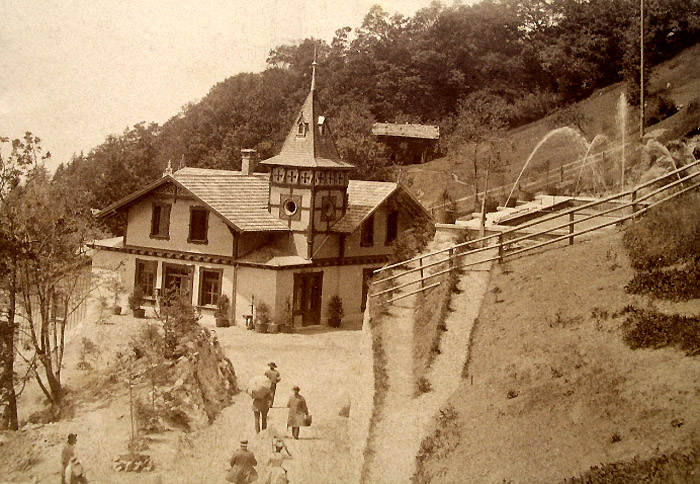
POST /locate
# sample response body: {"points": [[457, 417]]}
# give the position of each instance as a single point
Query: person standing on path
{"points": [[277, 473], [260, 408], [243, 464], [67, 454], [298, 411], [274, 376]]}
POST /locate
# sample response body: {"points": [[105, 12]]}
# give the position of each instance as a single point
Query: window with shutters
{"points": [[160, 220], [367, 232], [392, 226], [198, 225]]}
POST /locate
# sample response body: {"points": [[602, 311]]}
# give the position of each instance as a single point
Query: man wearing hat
{"points": [[243, 464], [274, 376], [297, 412]]}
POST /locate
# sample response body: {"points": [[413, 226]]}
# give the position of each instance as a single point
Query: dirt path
{"points": [[322, 364], [405, 418]]}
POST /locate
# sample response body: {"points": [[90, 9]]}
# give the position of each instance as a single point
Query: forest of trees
{"points": [[506, 62]]}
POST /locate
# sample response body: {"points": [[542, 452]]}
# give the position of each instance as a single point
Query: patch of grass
{"points": [[673, 284], [677, 467], [377, 313], [666, 235], [560, 320], [647, 328], [432, 309], [440, 443]]}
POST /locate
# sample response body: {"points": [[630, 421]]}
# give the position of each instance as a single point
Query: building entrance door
{"points": [[307, 297]]}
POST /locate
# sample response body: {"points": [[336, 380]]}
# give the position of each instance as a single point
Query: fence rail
{"points": [[504, 244]]}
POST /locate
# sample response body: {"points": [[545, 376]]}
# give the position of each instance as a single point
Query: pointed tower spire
{"points": [[313, 71]]}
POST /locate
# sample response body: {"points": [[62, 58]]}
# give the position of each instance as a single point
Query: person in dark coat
{"points": [[274, 376], [298, 412], [260, 408], [243, 464]]}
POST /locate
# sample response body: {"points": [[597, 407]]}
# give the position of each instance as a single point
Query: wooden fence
{"points": [[497, 247]]}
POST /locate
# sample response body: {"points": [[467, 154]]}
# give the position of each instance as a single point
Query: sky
{"points": [[73, 72]]}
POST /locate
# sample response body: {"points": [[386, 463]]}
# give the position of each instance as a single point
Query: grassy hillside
{"points": [[677, 80], [552, 389]]}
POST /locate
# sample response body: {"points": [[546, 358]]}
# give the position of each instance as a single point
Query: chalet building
{"points": [[408, 143], [299, 234]]}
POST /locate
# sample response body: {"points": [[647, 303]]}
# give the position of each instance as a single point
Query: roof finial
{"points": [[168, 169], [313, 72]]}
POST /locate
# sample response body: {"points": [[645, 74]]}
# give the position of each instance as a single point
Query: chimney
{"points": [[249, 160]]}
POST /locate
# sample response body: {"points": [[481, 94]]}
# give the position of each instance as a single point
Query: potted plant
{"points": [[222, 312], [335, 311], [262, 318], [136, 301], [116, 286]]}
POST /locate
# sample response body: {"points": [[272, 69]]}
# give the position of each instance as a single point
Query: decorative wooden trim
{"points": [[230, 261]]}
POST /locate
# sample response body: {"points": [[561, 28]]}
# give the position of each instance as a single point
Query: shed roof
{"points": [[423, 131]]}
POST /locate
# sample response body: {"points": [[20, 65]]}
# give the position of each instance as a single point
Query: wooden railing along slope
{"points": [[390, 279]]}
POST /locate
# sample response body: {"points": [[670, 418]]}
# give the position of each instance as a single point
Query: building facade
{"points": [[297, 235]]}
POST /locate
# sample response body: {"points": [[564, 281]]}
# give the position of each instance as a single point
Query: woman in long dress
{"points": [[278, 474], [297, 412]]}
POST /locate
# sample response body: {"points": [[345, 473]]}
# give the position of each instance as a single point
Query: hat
{"points": [[272, 365], [244, 444], [296, 388], [72, 436]]}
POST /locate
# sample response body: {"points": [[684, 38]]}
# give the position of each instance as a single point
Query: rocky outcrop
{"points": [[200, 382]]}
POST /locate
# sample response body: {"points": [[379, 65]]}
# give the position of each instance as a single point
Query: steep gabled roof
{"points": [[240, 200], [316, 147], [422, 131], [364, 197]]}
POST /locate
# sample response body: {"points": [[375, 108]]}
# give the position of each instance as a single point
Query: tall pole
{"points": [[641, 69]]}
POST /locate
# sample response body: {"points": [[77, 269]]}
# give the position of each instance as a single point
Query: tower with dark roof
{"points": [[308, 179]]}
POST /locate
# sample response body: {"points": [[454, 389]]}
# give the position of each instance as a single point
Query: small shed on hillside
{"points": [[408, 143]]}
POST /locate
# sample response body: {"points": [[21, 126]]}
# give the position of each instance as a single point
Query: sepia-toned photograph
{"points": [[371, 242]]}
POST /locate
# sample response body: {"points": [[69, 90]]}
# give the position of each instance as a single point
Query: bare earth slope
{"points": [[551, 388]]}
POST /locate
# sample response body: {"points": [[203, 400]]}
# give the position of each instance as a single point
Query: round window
{"points": [[329, 210], [290, 207]]}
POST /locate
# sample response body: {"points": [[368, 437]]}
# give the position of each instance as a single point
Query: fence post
{"points": [[500, 248], [571, 228], [422, 281], [451, 261], [634, 205]]}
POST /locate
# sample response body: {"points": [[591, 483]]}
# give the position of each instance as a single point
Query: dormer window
{"points": [[302, 128], [321, 121]]}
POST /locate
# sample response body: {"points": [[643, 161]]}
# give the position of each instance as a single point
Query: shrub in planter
{"points": [[262, 318], [136, 301], [335, 311], [286, 323], [222, 312], [116, 286]]}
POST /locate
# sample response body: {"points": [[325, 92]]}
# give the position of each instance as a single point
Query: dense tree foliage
{"points": [[527, 57]]}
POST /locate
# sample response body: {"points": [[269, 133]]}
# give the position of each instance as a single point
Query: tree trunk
{"points": [[8, 398], [476, 173]]}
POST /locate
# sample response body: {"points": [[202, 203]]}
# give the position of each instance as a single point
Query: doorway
{"points": [[308, 288]]}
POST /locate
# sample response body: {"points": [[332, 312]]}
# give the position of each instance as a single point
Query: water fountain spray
{"points": [[566, 130]]}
